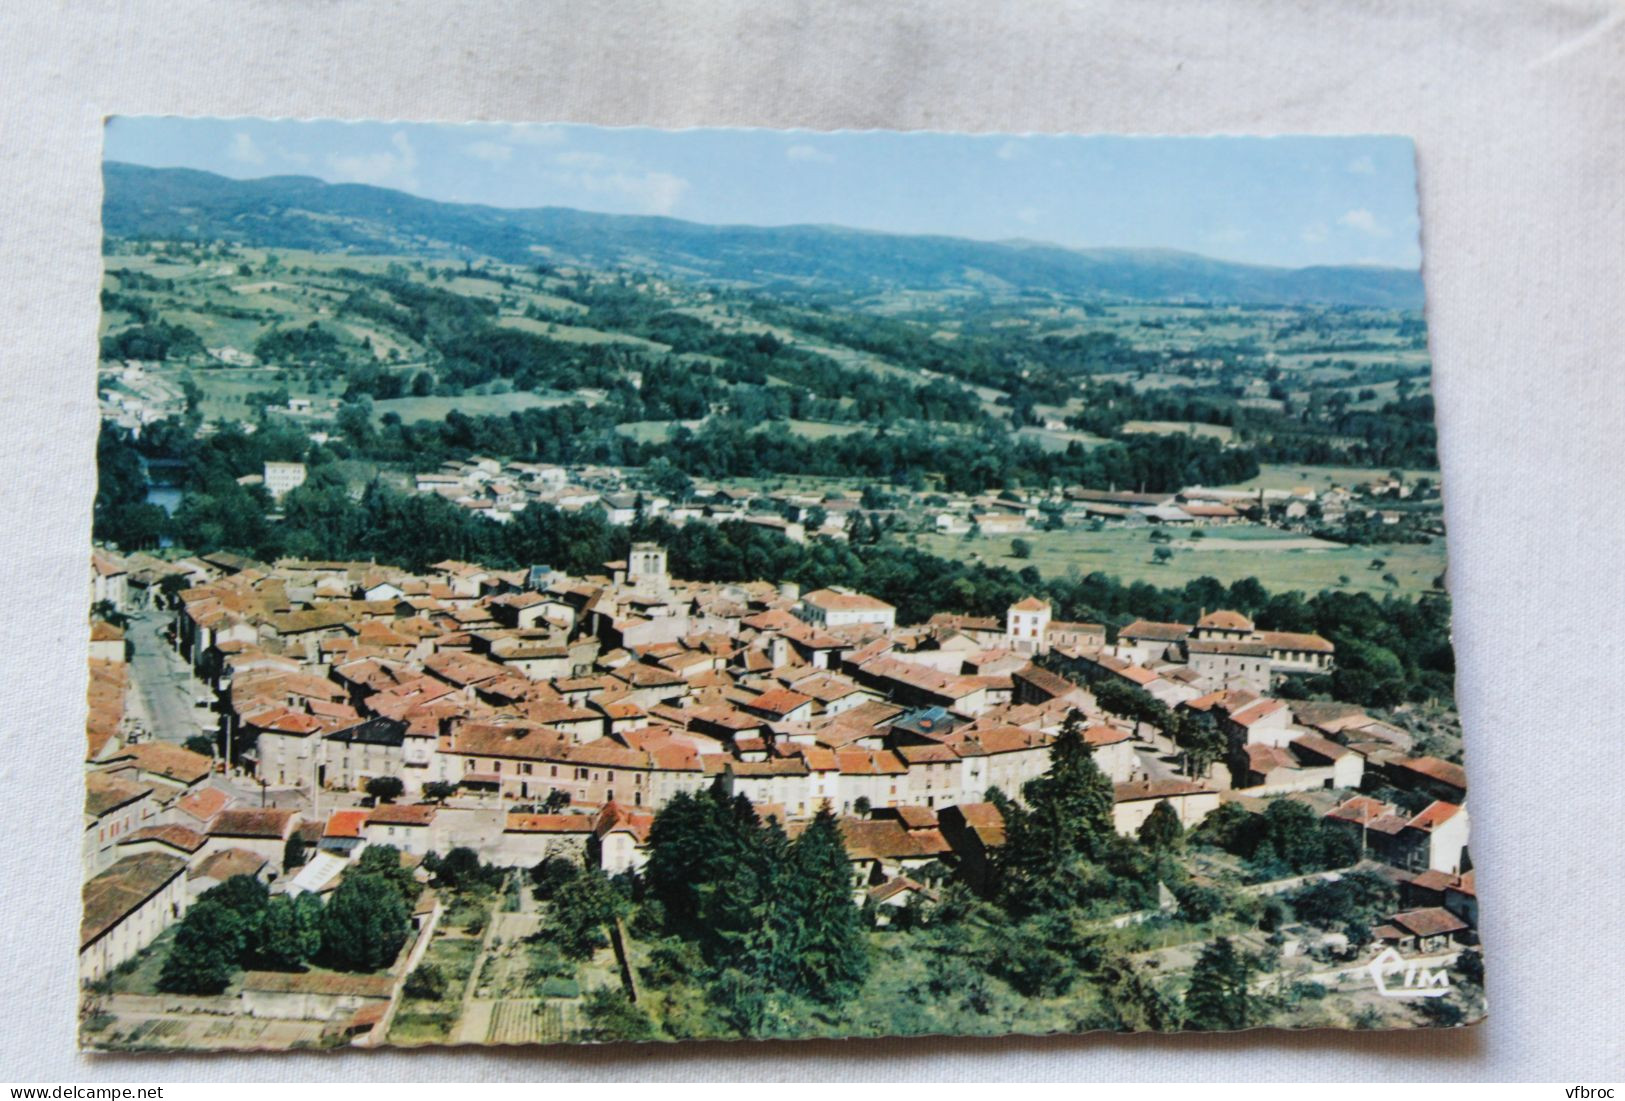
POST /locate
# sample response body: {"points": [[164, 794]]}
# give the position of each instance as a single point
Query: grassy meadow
{"points": [[1282, 562]]}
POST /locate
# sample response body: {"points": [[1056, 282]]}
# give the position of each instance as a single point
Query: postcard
{"points": [[558, 584]]}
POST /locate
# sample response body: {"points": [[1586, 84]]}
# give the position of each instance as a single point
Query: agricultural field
{"points": [[1319, 478], [1058, 439], [1220, 432], [576, 334], [435, 407], [1282, 562]]}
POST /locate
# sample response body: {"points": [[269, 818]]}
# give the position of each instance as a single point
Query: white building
{"points": [[126, 907], [282, 477], [844, 608], [1026, 626]]}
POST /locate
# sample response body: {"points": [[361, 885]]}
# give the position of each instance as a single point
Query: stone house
{"points": [[126, 907], [1132, 803]]}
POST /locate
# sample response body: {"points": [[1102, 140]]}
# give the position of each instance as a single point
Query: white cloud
{"points": [[498, 145], [646, 192], [492, 152], [1363, 221], [1010, 150], [1363, 166], [1029, 215], [808, 153], [1314, 233], [243, 150], [394, 167]]}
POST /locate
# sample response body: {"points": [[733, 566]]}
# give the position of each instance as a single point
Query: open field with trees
{"points": [[1278, 560]]}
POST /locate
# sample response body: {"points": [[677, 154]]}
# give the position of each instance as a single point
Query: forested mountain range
{"points": [[306, 213]]}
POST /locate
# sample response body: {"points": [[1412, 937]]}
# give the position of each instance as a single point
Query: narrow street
{"points": [[165, 700], [1157, 753], [166, 690]]}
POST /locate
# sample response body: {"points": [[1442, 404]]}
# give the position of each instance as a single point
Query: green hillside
{"points": [[305, 213]]}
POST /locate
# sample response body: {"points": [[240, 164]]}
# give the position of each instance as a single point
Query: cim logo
{"points": [[1397, 977]]}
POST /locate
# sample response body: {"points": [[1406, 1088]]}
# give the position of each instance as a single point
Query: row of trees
{"points": [[1196, 733]]}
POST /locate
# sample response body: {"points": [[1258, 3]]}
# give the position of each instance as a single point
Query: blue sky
{"points": [[1291, 201]]}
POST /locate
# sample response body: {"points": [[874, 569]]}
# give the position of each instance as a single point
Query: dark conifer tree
{"points": [[1219, 998], [829, 951]]}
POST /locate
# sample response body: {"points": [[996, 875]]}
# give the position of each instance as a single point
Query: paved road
{"points": [[1155, 767], [167, 688], [1158, 757]]}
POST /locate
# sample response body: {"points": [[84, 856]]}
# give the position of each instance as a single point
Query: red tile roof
{"points": [[548, 823], [889, 839], [1434, 769], [1434, 815], [227, 863], [832, 601], [1155, 789], [780, 701], [1264, 759], [183, 838], [204, 803], [1292, 640], [1359, 809], [172, 762], [1431, 921], [1263, 709], [345, 823], [1154, 632], [105, 793], [402, 814], [265, 823], [1102, 735], [1226, 620]]}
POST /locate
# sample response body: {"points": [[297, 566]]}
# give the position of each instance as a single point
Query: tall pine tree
{"points": [[1219, 998], [1055, 841], [829, 952], [772, 918]]}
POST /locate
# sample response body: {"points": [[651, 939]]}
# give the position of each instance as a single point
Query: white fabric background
{"points": [[1517, 110]]}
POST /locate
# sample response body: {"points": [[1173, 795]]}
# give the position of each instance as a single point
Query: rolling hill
{"points": [[307, 213]]}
